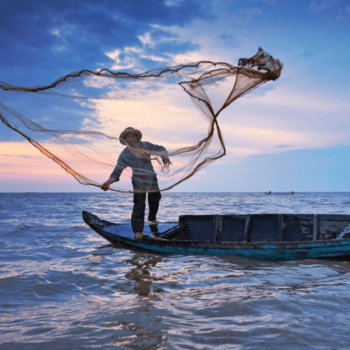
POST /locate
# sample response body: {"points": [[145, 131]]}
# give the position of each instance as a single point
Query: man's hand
{"points": [[167, 162], [143, 153], [106, 185]]}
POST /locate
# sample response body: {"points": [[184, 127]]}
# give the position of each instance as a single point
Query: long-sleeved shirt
{"points": [[143, 174]]}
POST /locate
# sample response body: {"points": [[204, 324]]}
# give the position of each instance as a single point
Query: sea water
{"points": [[78, 292]]}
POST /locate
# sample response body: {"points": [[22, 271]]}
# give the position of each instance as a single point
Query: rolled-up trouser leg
{"points": [[153, 204], [138, 213]]}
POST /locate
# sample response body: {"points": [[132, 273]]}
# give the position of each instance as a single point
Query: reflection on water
{"points": [[141, 274], [81, 292]]}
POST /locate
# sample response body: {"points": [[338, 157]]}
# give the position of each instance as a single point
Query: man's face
{"points": [[131, 139]]}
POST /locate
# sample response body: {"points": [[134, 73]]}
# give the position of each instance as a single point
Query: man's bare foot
{"points": [[154, 222], [138, 235]]}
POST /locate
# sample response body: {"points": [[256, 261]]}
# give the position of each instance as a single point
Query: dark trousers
{"points": [[138, 213]]}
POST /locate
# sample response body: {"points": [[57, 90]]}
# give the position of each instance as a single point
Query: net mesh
{"points": [[94, 108]]}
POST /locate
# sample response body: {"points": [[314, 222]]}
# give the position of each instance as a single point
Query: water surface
{"points": [[79, 292]]}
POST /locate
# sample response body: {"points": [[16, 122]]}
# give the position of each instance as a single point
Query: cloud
{"points": [[284, 146], [250, 11], [338, 9], [173, 3], [79, 33], [228, 40], [323, 5], [19, 155]]}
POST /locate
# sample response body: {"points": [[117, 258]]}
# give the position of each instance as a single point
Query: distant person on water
{"points": [[137, 157]]}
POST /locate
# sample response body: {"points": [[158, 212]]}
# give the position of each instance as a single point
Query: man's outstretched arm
{"points": [[150, 146], [121, 165]]}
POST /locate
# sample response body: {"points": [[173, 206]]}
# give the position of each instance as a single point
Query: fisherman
{"points": [[137, 157]]}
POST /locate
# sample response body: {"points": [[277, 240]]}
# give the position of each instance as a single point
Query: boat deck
{"points": [[124, 230]]}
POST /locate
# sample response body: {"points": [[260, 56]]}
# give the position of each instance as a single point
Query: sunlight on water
{"points": [[81, 292]]}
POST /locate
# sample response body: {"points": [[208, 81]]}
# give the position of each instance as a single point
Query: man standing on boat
{"points": [[137, 157]]}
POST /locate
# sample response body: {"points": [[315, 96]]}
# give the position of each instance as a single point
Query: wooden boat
{"points": [[263, 236]]}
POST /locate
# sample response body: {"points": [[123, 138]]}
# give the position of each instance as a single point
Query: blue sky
{"points": [[293, 134]]}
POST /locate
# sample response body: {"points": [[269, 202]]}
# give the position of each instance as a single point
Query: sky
{"points": [[291, 134]]}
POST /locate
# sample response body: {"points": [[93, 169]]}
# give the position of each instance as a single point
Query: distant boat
{"points": [[280, 193], [262, 236]]}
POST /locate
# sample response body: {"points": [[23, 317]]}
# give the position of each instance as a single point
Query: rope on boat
{"points": [[80, 228], [338, 231], [334, 229]]}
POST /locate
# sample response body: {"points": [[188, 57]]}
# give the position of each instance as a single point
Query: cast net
{"points": [[77, 120]]}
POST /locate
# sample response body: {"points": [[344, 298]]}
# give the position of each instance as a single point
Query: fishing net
{"points": [[77, 120]]}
